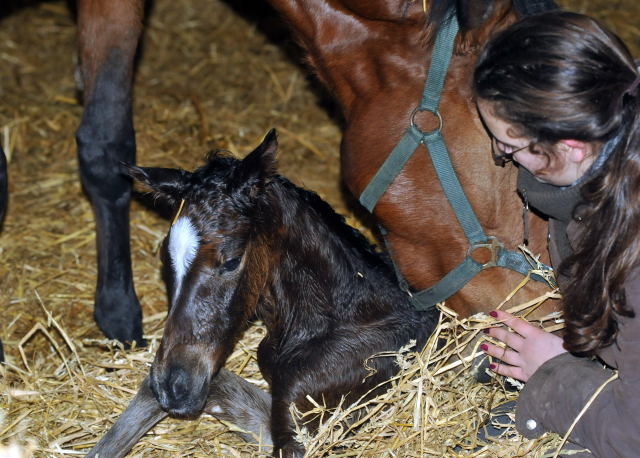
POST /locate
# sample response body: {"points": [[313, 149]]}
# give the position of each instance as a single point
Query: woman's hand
{"points": [[526, 349]]}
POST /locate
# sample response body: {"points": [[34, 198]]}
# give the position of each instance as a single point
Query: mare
{"points": [[4, 185], [245, 243], [371, 55], [4, 193]]}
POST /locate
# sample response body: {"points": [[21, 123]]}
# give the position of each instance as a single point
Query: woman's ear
{"points": [[575, 150]]}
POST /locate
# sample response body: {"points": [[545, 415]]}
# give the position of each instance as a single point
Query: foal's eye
{"points": [[230, 265]]}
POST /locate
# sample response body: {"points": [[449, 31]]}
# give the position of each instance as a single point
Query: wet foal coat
{"points": [[248, 243]]}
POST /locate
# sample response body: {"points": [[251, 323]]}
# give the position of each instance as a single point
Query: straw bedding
{"points": [[210, 77]]}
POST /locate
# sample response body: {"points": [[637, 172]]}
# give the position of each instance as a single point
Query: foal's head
{"points": [[216, 265]]}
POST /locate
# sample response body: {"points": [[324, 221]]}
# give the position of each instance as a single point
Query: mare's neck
{"points": [[351, 44]]}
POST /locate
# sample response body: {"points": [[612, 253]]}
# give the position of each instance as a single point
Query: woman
{"points": [[559, 95]]}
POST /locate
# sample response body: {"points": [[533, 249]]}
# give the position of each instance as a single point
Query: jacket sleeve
{"points": [[557, 392]]}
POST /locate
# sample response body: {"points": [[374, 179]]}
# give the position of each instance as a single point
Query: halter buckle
{"points": [[493, 245]]}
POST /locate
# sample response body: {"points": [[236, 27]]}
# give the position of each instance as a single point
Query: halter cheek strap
{"points": [[175, 218]]}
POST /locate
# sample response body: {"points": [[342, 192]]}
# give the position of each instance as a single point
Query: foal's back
{"points": [[334, 302]]}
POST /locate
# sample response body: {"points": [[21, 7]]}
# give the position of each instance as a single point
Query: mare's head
{"points": [[216, 268]]}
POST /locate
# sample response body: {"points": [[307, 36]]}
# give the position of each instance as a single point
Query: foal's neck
{"points": [[325, 267]]}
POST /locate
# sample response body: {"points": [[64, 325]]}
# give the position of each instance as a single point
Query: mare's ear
{"points": [[473, 13], [260, 164], [167, 183]]}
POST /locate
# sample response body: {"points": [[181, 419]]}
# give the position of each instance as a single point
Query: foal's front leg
{"points": [[231, 398], [108, 34], [142, 413], [285, 445]]}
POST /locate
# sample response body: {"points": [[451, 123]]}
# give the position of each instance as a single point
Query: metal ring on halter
{"points": [[436, 113], [493, 245]]}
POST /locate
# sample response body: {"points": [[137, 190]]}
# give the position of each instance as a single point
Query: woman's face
{"points": [[523, 151]]}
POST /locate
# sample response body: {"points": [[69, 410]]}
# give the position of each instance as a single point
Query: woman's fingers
{"points": [[517, 324], [511, 339], [505, 355], [506, 361], [526, 347], [508, 371]]}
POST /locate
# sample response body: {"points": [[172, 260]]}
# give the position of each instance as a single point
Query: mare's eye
{"points": [[230, 265]]}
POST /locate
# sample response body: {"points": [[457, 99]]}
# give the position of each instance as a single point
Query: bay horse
{"points": [[4, 185], [371, 55], [4, 197], [245, 243]]}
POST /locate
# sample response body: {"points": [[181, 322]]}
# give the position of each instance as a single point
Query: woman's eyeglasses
{"points": [[500, 158]]}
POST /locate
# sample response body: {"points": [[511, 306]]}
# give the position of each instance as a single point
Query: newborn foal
{"points": [[247, 243]]}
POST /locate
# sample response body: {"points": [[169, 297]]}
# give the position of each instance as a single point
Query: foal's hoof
{"points": [[119, 317], [291, 450]]}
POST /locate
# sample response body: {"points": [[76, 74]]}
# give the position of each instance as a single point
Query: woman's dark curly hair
{"points": [[560, 76]]}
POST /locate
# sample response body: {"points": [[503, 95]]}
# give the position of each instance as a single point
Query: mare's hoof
{"points": [[119, 317], [499, 425], [479, 368], [501, 421]]}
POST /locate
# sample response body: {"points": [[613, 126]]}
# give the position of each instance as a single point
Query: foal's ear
{"points": [[168, 183], [261, 162]]}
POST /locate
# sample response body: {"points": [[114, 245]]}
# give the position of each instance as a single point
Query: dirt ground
{"points": [[212, 74]]}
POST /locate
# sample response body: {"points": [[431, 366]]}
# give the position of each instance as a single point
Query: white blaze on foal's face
{"points": [[183, 247]]}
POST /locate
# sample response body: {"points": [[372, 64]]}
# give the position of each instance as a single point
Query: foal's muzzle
{"points": [[180, 384]]}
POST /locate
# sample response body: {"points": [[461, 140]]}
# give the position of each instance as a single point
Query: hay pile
{"points": [[208, 78], [432, 407]]}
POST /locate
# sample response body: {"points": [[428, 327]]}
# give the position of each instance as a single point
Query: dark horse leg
{"points": [[283, 430], [142, 413], [231, 398], [4, 196], [108, 34], [4, 185]]}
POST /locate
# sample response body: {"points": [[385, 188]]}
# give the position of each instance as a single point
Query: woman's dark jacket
{"points": [[558, 391]]}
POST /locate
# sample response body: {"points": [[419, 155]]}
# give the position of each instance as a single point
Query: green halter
{"points": [[434, 142]]}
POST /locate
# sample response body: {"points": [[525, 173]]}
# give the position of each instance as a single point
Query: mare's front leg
{"points": [[4, 197], [108, 34], [4, 185]]}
